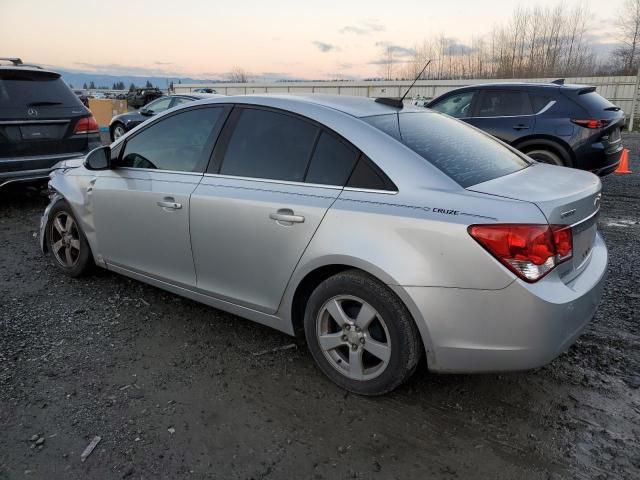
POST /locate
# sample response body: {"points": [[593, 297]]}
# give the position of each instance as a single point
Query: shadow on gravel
{"points": [[177, 389]]}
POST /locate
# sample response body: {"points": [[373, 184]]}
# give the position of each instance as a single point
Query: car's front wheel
{"points": [[66, 241], [117, 131], [360, 334]]}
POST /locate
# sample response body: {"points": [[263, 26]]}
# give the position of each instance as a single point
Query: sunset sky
{"points": [[277, 38]]}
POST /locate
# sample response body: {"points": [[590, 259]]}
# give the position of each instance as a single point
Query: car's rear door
{"points": [[253, 214], [505, 114], [141, 207]]}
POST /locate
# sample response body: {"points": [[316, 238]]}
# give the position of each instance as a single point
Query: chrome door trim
{"points": [[156, 170], [269, 180]]}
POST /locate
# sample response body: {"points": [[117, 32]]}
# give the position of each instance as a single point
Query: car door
{"points": [[505, 114], [141, 207], [253, 215]]}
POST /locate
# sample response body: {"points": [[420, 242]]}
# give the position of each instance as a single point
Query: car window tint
{"points": [[332, 161], [180, 100], [367, 175], [174, 143], [159, 105], [457, 106], [41, 90], [266, 144], [496, 103], [465, 154], [538, 102]]}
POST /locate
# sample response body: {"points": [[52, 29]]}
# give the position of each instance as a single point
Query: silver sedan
{"points": [[385, 234]]}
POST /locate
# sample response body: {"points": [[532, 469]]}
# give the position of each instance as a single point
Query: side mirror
{"points": [[98, 159], [146, 112]]}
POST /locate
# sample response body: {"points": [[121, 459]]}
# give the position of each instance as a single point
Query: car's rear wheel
{"points": [[66, 241], [360, 334], [117, 131], [545, 155]]}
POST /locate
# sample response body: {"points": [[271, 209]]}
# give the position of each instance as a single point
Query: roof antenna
{"points": [[399, 102]]}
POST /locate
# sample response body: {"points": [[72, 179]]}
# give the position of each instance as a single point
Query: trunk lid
{"points": [[565, 196]]}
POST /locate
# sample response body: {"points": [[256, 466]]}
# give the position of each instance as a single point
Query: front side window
{"points": [[177, 142], [270, 145], [497, 103], [458, 106], [159, 105]]}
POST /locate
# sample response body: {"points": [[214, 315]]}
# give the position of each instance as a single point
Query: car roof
{"points": [[520, 85], [351, 105], [28, 68]]}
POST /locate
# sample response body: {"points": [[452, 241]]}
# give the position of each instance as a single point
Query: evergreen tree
{"points": [[132, 87], [92, 85], [85, 85], [148, 84]]}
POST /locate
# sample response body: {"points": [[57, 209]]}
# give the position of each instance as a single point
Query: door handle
{"points": [[286, 216], [520, 127], [169, 203]]}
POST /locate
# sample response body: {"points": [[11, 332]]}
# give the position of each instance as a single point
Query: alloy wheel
{"points": [[118, 132], [65, 239], [353, 337]]}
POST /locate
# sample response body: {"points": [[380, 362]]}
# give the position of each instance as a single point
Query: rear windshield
{"points": [[595, 103], [465, 154], [23, 89]]}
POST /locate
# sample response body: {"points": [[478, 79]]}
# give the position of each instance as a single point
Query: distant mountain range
{"points": [[78, 79]]}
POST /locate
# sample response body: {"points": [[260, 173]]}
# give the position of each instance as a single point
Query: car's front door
{"points": [[505, 114], [254, 214], [141, 207]]}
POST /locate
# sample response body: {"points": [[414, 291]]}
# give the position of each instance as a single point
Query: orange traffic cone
{"points": [[623, 167]]}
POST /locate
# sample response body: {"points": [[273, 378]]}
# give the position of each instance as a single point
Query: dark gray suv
{"points": [[569, 125], [41, 122]]}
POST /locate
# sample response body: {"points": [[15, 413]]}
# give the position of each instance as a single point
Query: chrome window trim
{"points": [[370, 190], [271, 180], [546, 107], [156, 170]]}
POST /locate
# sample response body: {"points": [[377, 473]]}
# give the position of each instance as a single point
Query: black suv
{"points": [[568, 125], [142, 96], [42, 122]]}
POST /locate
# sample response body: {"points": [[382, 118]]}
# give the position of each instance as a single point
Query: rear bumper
{"points": [[519, 327], [25, 169], [599, 158]]}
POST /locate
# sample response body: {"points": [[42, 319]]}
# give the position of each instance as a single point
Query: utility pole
{"points": [[635, 99]]}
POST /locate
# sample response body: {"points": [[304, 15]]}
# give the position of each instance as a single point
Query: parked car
{"points": [[83, 98], [121, 124], [140, 97], [41, 122], [382, 233], [569, 125], [204, 90]]}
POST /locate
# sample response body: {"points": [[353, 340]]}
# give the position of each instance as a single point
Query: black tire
{"points": [[400, 332], [112, 130], [545, 155], [82, 258]]}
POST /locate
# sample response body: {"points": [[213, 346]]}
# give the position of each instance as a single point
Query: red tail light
{"points": [[530, 251], [86, 125], [591, 123]]}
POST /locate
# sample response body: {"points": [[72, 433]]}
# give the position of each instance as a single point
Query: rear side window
{"points": [[465, 154], [368, 175], [23, 89], [266, 144], [538, 102], [178, 142], [502, 103], [332, 161]]}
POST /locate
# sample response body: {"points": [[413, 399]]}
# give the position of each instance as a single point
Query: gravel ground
{"points": [[175, 390]]}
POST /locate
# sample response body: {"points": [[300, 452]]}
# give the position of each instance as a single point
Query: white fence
{"points": [[618, 90]]}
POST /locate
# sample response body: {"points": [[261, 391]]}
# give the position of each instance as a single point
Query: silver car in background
{"points": [[384, 234]]}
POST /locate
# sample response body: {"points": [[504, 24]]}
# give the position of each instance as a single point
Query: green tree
{"points": [[148, 84], [85, 85], [132, 87], [92, 85]]}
